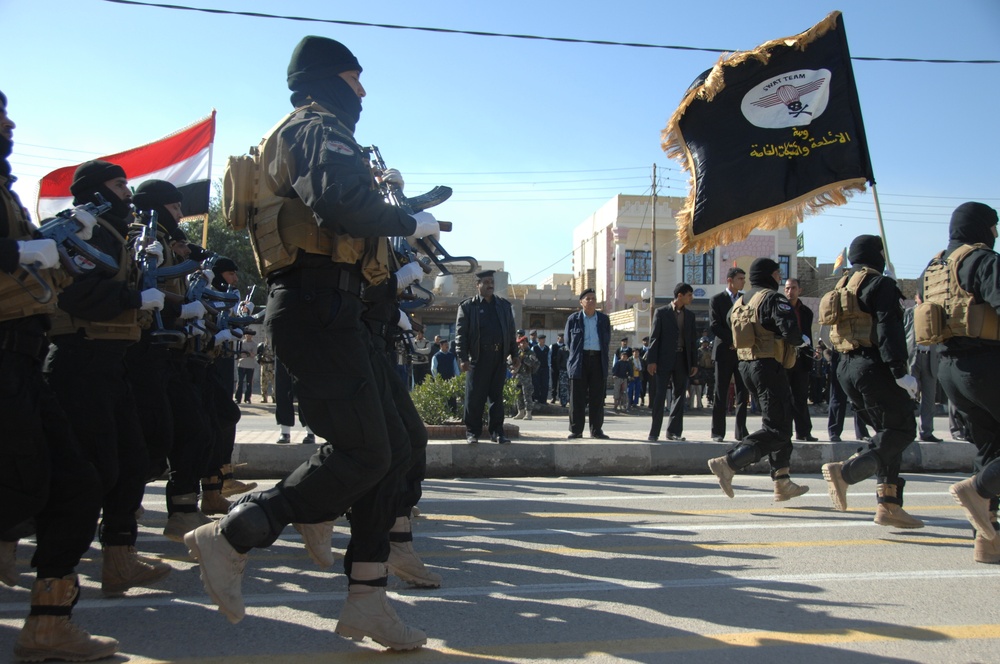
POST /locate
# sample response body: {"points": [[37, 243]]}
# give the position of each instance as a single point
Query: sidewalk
{"points": [[540, 449]]}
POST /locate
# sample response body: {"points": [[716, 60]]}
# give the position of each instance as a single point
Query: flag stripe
{"points": [[182, 158]]}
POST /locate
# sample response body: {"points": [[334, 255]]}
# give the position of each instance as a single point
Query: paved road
{"points": [[597, 569]]}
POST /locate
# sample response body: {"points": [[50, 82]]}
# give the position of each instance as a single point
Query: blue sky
{"points": [[533, 136]]}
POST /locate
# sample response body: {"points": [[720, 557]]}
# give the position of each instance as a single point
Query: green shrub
{"points": [[431, 399]]}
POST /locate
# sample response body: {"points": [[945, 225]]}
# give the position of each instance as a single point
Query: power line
{"points": [[480, 33]]}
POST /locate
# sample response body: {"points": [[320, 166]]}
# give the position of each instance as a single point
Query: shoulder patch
{"points": [[338, 147], [83, 263], [784, 306]]}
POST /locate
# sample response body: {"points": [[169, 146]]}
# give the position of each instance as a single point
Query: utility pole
{"points": [[652, 258]]}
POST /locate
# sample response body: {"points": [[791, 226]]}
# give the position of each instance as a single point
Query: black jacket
{"points": [[718, 322], [467, 329], [804, 361], [663, 340]]}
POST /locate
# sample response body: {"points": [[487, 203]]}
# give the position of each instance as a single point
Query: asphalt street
{"points": [[592, 569]]}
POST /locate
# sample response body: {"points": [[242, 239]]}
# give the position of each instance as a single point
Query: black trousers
{"points": [[798, 382], [675, 379], [88, 378], [284, 397], [555, 384], [317, 332], [412, 484], [587, 394], [147, 371], [244, 380], [420, 372], [727, 369], [43, 473], [484, 383], [194, 436], [882, 405], [969, 380], [768, 381], [838, 408]]}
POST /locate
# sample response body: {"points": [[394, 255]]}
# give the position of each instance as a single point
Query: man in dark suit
{"points": [[798, 376], [484, 339], [588, 337], [726, 362], [671, 360]]}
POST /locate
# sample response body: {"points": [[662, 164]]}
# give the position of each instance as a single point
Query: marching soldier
{"points": [[961, 283], [766, 336], [873, 372]]}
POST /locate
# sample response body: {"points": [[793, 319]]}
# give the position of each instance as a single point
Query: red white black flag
{"points": [[768, 136], [183, 159]]}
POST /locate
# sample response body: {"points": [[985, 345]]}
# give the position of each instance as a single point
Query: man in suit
{"points": [[556, 365], [648, 385], [588, 337], [726, 362], [672, 359], [798, 376], [484, 339]]}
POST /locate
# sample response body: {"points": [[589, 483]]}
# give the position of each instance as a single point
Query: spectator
{"points": [[246, 364], [421, 357], [588, 337], [622, 375], [672, 360]]}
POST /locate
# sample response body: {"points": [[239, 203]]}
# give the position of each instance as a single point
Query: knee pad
{"points": [[987, 481], [249, 526], [860, 467], [743, 455]]}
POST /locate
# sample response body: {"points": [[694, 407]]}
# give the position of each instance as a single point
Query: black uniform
{"points": [[767, 378], [969, 367], [868, 374]]}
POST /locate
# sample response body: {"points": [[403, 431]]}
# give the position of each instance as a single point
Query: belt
{"points": [[591, 352], [32, 345], [340, 276]]}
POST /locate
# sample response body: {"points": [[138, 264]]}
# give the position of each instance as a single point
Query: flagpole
{"points": [[652, 259], [881, 227], [211, 153]]}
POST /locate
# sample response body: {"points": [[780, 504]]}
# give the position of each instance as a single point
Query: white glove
{"points": [[427, 226], [392, 176], [247, 306], [234, 334], [191, 310], [152, 299], [806, 342], [87, 220], [153, 249], [404, 321], [908, 383], [209, 275], [38, 252], [408, 274]]}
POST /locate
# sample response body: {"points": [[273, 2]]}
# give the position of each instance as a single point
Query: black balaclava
{"points": [[867, 250], [223, 265], [971, 223], [314, 71], [89, 179], [762, 273], [154, 196], [6, 145]]}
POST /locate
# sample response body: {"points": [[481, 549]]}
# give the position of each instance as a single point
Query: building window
{"points": [[637, 265], [783, 264], [699, 268]]}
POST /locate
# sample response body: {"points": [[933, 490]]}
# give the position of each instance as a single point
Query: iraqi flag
{"points": [[183, 159], [769, 136]]}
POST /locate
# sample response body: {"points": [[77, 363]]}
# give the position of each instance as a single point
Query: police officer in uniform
{"points": [[43, 474], [484, 339], [96, 322], [317, 216], [873, 372], [765, 334], [970, 359]]}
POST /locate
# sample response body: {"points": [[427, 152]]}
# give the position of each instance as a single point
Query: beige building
{"points": [[613, 254]]}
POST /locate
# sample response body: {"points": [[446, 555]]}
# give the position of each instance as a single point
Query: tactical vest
{"points": [[280, 227], [752, 340], [124, 326], [948, 310], [850, 327], [19, 291]]}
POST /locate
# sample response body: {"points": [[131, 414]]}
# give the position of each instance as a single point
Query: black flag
{"points": [[769, 136]]}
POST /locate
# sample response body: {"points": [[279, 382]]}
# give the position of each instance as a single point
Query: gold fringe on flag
{"points": [[787, 214]]}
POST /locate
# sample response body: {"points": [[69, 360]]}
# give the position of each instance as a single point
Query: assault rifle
{"points": [[63, 229], [436, 254], [149, 269]]}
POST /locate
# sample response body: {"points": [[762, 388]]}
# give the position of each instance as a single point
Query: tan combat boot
{"points": [[316, 537], [987, 551], [48, 632], [231, 486], [221, 568], [890, 510], [785, 488], [977, 508], [403, 560], [8, 563], [721, 469], [123, 568], [520, 414], [836, 484], [367, 612], [212, 501], [181, 523]]}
